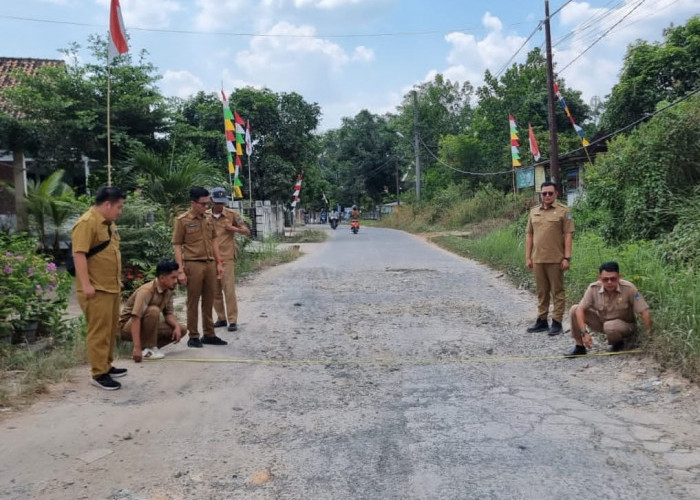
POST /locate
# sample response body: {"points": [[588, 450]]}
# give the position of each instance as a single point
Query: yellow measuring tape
{"points": [[453, 361]]}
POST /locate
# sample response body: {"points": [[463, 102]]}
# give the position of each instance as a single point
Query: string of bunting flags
{"points": [[579, 130], [233, 146], [297, 190]]}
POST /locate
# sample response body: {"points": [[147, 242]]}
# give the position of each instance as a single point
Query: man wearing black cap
{"points": [[228, 223]]}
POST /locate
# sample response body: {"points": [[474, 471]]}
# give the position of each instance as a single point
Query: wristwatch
{"points": [[567, 258]]}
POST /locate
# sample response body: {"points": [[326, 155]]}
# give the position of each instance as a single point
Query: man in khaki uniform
{"points": [[227, 222], [608, 306], [548, 244], [98, 274], [140, 321], [197, 254]]}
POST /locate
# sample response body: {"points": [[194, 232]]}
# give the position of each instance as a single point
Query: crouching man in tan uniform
{"points": [[140, 320], [609, 305]]}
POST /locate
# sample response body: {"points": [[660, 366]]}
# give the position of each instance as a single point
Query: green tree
{"points": [[66, 107], [521, 92], [443, 109], [633, 190], [654, 72]]}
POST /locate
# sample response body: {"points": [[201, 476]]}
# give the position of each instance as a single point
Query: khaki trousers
{"points": [[102, 316], [227, 290], [155, 332], [616, 330], [201, 284], [550, 283]]}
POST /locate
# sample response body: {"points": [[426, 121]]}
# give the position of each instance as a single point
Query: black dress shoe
{"points": [[555, 329], [232, 327], [617, 347], [578, 350], [213, 340], [194, 343], [220, 323], [540, 325]]}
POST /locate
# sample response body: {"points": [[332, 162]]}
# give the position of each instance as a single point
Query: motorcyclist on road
{"points": [[333, 217], [354, 214]]}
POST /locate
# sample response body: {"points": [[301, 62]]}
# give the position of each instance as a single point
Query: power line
{"points": [[247, 34], [603, 35], [573, 151], [505, 66]]}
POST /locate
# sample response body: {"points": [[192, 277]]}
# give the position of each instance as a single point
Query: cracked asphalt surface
{"points": [[377, 366]]}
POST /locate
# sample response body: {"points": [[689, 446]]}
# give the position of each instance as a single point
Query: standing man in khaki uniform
{"points": [[608, 306], [227, 222], [197, 254], [140, 321], [548, 243], [98, 275]]}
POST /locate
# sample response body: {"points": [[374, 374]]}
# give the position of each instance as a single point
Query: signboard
{"points": [[539, 177], [525, 177]]}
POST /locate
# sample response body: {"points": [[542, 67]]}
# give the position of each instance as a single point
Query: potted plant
{"points": [[32, 289]]}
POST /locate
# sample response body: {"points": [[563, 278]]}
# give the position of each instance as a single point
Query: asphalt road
{"points": [[375, 367]]}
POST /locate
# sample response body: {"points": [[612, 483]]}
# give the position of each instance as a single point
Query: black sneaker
{"points": [[578, 350], [105, 382], [555, 329], [220, 323], [116, 372], [617, 347], [194, 343], [232, 327], [540, 325], [213, 340]]}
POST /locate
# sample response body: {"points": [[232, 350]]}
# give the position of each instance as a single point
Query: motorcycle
{"points": [[334, 223], [354, 226]]}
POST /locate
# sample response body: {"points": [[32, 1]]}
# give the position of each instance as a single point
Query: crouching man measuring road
{"points": [[608, 306], [140, 320]]}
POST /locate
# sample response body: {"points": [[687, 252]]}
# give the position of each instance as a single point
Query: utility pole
{"points": [[553, 145], [396, 164], [416, 145]]}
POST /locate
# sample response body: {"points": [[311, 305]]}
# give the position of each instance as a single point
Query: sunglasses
{"points": [[547, 193], [202, 203], [609, 280]]}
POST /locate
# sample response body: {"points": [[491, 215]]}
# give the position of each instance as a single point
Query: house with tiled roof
{"points": [[13, 164]]}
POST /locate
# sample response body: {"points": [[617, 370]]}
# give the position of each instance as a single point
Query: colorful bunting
{"points": [[117, 32], [514, 144], [578, 129], [534, 149], [297, 190], [231, 148]]}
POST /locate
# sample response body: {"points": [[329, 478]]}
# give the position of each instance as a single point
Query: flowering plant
{"points": [[31, 286]]}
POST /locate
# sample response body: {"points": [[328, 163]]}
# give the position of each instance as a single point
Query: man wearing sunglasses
{"points": [[548, 243], [200, 265], [608, 306]]}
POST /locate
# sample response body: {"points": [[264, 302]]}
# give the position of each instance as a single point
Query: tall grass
{"points": [[673, 292]]}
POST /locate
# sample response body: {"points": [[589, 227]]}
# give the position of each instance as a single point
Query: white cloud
{"points": [[299, 59], [145, 13], [362, 53], [180, 83], [216, 14], [328, 4], [469, 57]]}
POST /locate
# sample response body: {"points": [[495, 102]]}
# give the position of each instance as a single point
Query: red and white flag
{"points": [[117, 32], [297, 190], [534, 149]]}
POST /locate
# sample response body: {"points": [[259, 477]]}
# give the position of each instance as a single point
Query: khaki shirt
{"points": [[623, 304], [105, 267], [548, 227], [196, 235], [226, 239], [145, 296]]}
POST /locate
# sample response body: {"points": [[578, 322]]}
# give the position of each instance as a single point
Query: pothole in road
{"points": [[400, 270]]}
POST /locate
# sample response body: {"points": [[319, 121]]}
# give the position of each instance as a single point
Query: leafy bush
{"points": [[31, 287]]}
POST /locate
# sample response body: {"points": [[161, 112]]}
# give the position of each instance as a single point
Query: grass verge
{"points": [[673, 293]]}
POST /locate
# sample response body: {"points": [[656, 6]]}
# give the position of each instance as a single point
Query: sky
{"points": [[346, 55]]}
